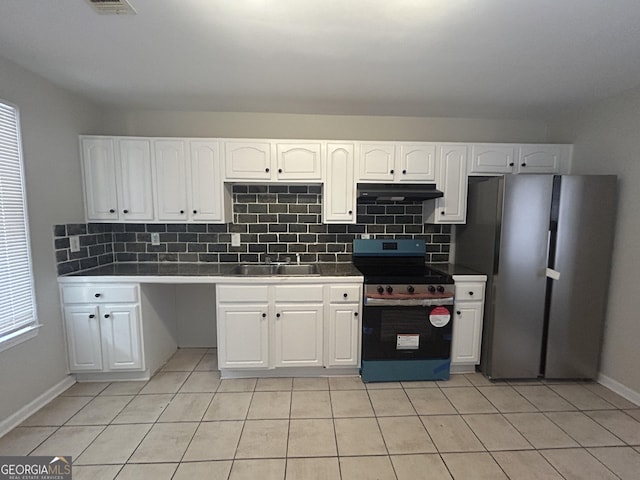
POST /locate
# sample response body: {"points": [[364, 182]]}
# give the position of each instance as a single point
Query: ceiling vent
{"points": [[112, 7]]}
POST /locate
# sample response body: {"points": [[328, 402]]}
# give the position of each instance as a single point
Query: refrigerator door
{"points": [[586, 222], [519, 285]]}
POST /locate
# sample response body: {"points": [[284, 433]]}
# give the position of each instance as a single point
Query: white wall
{"points": [[606, 138], [51, 120], [338, 127]]}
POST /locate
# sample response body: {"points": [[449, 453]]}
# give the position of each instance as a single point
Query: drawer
{"points": [[470, 291], [100, 293], [344, 293], [298, 293], [242, 293]]}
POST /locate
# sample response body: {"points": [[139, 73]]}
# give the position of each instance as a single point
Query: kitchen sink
{"points": [[275, 269], [295, 269]]}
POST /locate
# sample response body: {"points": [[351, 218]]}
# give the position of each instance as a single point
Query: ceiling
{"points": [[510, 58]]}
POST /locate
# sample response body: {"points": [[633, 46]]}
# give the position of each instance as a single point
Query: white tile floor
{"points": [[186, 423]]}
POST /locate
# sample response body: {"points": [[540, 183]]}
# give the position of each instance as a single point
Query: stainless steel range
{"points": [[407, 315]]}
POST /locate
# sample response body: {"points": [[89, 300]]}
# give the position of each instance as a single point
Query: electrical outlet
{"points": [[74, 243], [235, 239], [365, 236], [155, 239]]}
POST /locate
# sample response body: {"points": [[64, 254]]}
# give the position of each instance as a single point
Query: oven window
{"points": [[391, 332]]}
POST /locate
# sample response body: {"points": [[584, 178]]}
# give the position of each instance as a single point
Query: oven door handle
{"points": [[424, 302]]}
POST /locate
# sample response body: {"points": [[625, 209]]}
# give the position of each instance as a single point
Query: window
{"points": [[17, 300]]}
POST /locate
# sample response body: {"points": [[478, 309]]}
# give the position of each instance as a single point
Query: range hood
{"points": [[409, 192]]}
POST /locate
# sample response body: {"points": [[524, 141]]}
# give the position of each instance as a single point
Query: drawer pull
{"points": [[471, 294], [458, 312], [106, 315], [345, 295], [97, 295], [92, 316]]}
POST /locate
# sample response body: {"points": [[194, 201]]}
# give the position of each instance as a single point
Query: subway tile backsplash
{"points": [[276, 221]]}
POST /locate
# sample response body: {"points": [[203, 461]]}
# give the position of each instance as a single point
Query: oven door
{"points": [[407, 330]]}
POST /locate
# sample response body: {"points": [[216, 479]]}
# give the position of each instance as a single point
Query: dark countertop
{"points": [[340, 269], [453, 269]]}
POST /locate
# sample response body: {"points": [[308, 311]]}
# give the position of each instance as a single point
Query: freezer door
{"points": [[519, 285], [586, 222]]}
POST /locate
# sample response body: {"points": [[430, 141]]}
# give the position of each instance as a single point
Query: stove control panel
{"points": [[389, 291]]}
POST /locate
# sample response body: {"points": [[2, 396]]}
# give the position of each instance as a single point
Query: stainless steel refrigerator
{"points": [[545, 243]]}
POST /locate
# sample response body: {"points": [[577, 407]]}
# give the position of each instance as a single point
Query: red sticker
{"points": [[439, 316]]}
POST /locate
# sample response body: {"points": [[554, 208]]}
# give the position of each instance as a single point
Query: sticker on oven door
{"points": [[439, 317], [407, 341]]}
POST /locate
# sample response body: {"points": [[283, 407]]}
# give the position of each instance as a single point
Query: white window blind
{"points": [[17, 300]]}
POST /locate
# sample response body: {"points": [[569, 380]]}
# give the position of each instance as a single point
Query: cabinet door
{"points": [[298, 335], [493, 158], [135, 197], [170, 180], [243, 336], [82, 325], [299, 161], [467, 331], [121, 337], [452, 180], [247, 161], [339, 198], [99, 170], [343, 332], [539, 159], [417, 162], [207, 188], [376, 161]]}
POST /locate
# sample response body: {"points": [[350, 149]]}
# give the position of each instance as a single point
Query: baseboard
{"points": [[619, 388], [32, 407]]}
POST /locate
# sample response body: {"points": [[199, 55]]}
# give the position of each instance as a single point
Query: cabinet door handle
{"points": [[511, 164], [264, 315], [98, 295], [266, 170], [195, 211], [458, 312], [279, 170], [350, 212], [355, 314], [391, 172], [125, 211], [277, 315], [345, 295], [92, 316], [523, 164], [181, 211], [106, 315], [442, 212], [404, 172]]}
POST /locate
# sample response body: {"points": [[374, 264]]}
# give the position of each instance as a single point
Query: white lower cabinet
{"points": [[467, 322], [103, 336], [268, 326], [243, 335]]}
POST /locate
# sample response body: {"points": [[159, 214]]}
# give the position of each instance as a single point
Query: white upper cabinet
{"points": [[376, 161], [500, 158], [416, 162], [273, 160], [493, 158], [209, 202], [299, 161], [133, 171], [451, 179], [171, 180], [99, 171], [539, 158], [247, 160], [339, 200], [397, 162]]}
